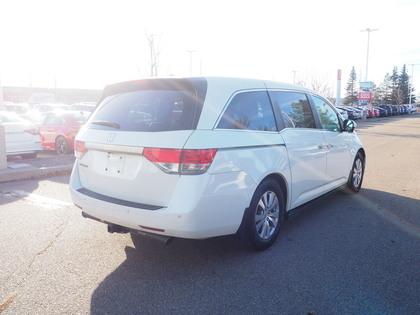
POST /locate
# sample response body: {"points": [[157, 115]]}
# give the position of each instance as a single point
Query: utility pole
{"points": [[1, 96], [368, 30], [338, 96], [190, 52], [294, 76], [410, 86], [154, 54]]}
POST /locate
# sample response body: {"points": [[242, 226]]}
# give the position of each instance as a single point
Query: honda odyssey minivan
{"points": [[203, 157]]}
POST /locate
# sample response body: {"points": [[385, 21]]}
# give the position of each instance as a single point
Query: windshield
{"points": [[146, 110]]}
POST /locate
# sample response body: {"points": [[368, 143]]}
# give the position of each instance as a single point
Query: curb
{"points": [[10, 175]]}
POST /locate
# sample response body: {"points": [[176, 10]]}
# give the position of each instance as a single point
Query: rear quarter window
{"points": [[249, 111]]}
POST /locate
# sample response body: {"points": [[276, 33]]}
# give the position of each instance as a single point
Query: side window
{"points": [[295, 110], [250, 111], [329, 118]]}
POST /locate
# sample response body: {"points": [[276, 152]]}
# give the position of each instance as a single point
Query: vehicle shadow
{"points": [[350, 234]]}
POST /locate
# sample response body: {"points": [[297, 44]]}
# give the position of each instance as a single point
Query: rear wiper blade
{"points": [[107, 124]]}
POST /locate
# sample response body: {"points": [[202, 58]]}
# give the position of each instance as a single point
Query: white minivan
{"points": [[203, 157]]}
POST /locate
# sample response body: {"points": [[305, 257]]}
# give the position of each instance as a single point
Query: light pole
{"points": [[191, 52], [368, 30], [1, 96], [294, 76], [411, 85]]}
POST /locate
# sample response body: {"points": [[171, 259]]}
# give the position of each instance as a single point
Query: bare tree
{"points": [[399, 96], [315, 82], [154, 54]]}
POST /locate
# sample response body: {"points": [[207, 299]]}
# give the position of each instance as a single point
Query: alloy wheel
{"points": [[267, 215], [357, 173]]}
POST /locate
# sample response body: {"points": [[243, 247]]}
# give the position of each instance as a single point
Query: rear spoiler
{"points": [[152, 84]]}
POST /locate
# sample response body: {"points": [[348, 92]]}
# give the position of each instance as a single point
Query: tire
{"points": [[61, 146], [29, 155], [265, 215], [355, 180]]}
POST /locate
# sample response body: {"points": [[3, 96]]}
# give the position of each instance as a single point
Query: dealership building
{"points": [[33, 96]]}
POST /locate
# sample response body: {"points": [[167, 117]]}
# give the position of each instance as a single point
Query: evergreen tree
{"points": [[404, 85], [413, 95], [351, 90], [377, 96], [384, 92], [395, 92]]}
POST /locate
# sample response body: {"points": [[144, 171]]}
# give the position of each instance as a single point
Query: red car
{"points": [[58, 129]]}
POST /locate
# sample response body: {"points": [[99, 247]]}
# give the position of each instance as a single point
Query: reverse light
{"points": [[79, 148], [175, 161]]}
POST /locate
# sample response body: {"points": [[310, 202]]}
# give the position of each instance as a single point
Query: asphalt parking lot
{"points": [[347, 254]]}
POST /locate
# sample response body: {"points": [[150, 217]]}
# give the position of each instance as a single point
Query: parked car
{"points": [[358, 112], [413, 108], [382, 111], [58, 130], [21, 136], [397, 109], [83, 106], [352, 114], [388, 108], [47, 107], [343, 113], [369, 111], [203, 157], [20, 109]]}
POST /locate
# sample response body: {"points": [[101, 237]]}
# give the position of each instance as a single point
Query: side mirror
{"points": [[349, 125]]}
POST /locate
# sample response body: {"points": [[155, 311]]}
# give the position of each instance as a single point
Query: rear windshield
{"points": [[80, 117], [146, 110]]}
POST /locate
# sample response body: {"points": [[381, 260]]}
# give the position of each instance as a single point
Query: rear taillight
{"points": [[187, 162], [79, 148], [196, 161]]}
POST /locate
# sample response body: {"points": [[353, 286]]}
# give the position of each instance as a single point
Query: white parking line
{"points": [[35, 199]]}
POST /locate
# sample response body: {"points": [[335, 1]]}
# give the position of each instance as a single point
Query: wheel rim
{"points": [[61, 146], [357, 173], [267, 215]]}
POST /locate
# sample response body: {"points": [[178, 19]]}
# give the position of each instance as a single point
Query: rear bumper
{"points": [[209, 206]]}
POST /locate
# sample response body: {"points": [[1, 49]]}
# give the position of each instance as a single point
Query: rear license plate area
{"points": [[115, 164]]}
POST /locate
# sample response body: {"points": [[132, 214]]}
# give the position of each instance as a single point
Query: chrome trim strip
{"points": [[139, 150], [114, 148], [252, 146]]}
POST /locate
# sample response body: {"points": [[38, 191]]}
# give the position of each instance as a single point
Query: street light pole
{"points": [[1, 97], [191, 52], [368, 30], [411, 85], [294, 76]]}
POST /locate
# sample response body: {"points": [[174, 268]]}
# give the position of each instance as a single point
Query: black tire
{"points": [[265, 215], [355, 180], [61, 146], [29, 155]]}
